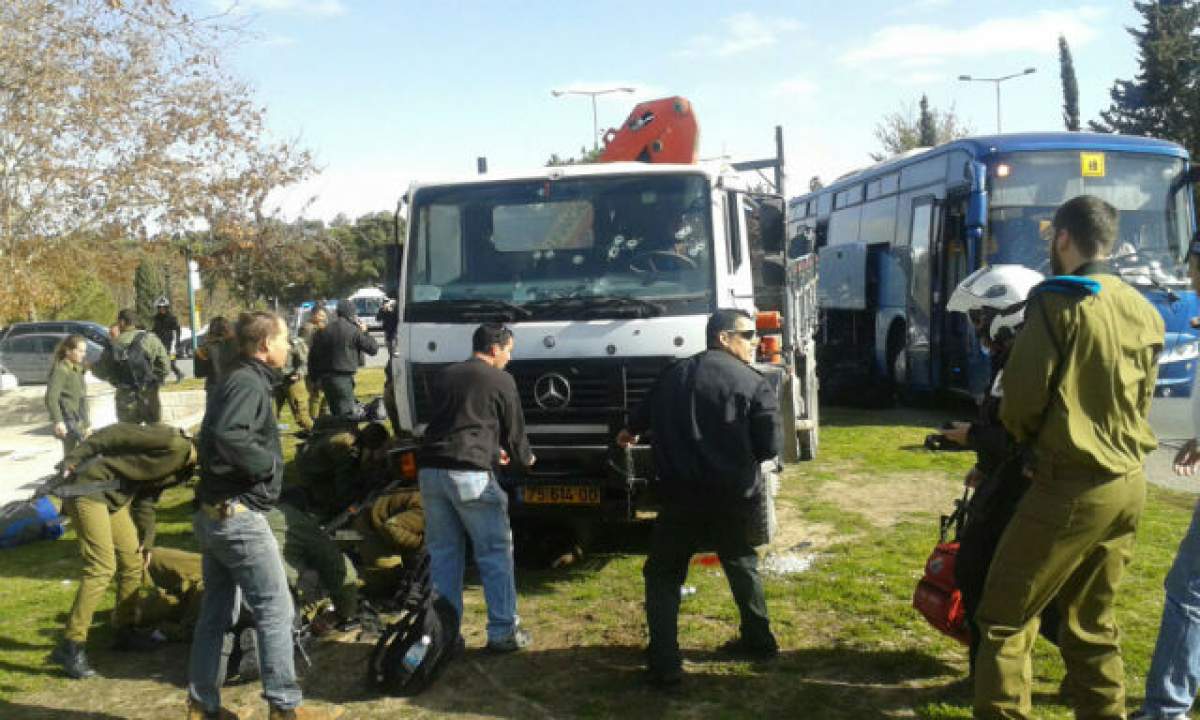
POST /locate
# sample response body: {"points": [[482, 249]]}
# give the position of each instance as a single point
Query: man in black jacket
{"points": [[336, 355], [477, 424], [240, 479], [166, 329], [712, 420]]}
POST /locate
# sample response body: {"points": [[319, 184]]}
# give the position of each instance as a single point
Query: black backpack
{"points": [[132, 364], [427, 632]]}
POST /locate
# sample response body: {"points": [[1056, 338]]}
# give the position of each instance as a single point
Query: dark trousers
{"points": [[339, 392], [678, 533]]}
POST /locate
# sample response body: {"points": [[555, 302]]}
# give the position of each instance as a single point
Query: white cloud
{"points": [[923, 45], [741, 33], [319, 8], [794, 88], [354, 191]]}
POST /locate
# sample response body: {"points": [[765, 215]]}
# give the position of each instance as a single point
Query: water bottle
{"points": [[416, 653]]}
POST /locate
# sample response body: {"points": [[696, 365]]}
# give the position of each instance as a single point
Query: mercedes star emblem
{"points": [[552, 392]]}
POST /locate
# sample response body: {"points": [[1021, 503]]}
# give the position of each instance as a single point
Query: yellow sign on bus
{"points": [[1091, 164]]}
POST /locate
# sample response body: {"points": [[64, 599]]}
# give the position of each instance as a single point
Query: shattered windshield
{"points": [[574, 247]]}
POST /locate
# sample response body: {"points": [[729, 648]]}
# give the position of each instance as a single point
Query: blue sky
{"points": [[385, 92]]}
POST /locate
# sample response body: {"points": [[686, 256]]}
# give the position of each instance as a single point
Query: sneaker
{"points": [[1145, 715], [70, 656], [739, 648], [247, 669], [519, 640], [196, 711], [305, 713], [130, 640]]}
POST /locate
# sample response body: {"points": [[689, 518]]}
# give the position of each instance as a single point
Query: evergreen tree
{"points": [[926, 125], [1070, 86], [1161, 101], [917, 126], [148, 287]]}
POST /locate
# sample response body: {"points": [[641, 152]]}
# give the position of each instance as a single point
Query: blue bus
{"points": [[894, 239]]}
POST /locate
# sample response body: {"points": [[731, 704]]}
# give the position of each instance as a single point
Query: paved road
{"points": [[1172, 421]]}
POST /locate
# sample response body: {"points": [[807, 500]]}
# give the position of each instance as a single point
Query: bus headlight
{"points": [[1180, 351]]}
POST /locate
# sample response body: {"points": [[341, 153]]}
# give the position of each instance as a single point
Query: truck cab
{"points": [[606, 274]]}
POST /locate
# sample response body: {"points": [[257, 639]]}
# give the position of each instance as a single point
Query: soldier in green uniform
{"points": [[339, 463], [393, 532], [66, 393], [136, 364], [1077, 387], [291, 387], [305, 547], [110, 472], [172, 604]]}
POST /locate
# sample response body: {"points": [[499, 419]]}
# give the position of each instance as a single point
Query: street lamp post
{"points": [[592, 94], [997, 81]]}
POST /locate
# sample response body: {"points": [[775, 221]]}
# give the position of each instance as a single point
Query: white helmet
{"points": [[991, 291], [162, 302]]}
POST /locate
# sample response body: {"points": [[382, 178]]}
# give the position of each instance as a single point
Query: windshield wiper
{"points": [[475, 308], [596, 305]]}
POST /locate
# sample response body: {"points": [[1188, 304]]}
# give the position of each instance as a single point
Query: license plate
{"points": [[561, 495]]}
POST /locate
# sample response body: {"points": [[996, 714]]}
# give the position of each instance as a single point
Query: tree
{"points": [[117, 119], [926, 125], [815, 184], [917, 126], [1161, 101], [585, 156], [148, 287], [1070, 86]]}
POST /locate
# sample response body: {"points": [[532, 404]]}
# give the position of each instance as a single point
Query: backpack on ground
{"points": [[414, 650], [132, 364], [26, 521], [938, 597]]}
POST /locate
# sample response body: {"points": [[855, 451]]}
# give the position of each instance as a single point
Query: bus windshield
{"points": [[572, 248], [1026, 188]]}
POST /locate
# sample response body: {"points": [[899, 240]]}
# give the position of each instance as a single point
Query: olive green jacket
{"points": [[1087, 409], [142, 458], [160, 361], [305, 546], [66, 394], [329, 468], [399, 518]]}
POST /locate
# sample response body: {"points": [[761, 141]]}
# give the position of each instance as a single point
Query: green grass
{"points": [[853, 646]]}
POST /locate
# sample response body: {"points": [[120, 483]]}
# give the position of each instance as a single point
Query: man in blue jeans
{"points": [[240, 478], [477, 423], [1174, 676]]}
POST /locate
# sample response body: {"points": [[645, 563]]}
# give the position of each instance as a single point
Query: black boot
{"points": [[71, 657]]}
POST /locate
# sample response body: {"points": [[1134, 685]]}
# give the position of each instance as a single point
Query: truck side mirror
{"points": [[391, 272], [769, 209]]}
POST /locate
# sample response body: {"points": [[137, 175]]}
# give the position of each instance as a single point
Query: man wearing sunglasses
{"points": [[712, 421]]}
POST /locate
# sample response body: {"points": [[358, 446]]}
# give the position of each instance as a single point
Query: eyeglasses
{"points": [[745, 334]]}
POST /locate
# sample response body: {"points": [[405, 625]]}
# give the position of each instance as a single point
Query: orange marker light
{"points": [[771, 320]]}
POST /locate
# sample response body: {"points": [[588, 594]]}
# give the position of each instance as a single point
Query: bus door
{"points": [[924, 250], [952, 334]]}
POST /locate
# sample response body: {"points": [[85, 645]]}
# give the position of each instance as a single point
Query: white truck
{"points": [[606, 273]]}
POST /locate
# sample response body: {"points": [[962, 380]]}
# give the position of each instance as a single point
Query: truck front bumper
{"points": [[583, 481]]}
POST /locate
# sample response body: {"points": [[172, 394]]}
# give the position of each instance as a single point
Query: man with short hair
{"points": [[240, 480], [166, 329], [712, 420], [312, 381], [1077, 387], [137, 364], [477, 421], [336, 354]]}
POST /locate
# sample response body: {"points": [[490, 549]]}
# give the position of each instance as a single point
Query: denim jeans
{"points": [[240, 555], [470, 503], [1174, 675]]}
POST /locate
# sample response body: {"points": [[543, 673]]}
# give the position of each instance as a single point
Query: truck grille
{"points": [[601, 390]]}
